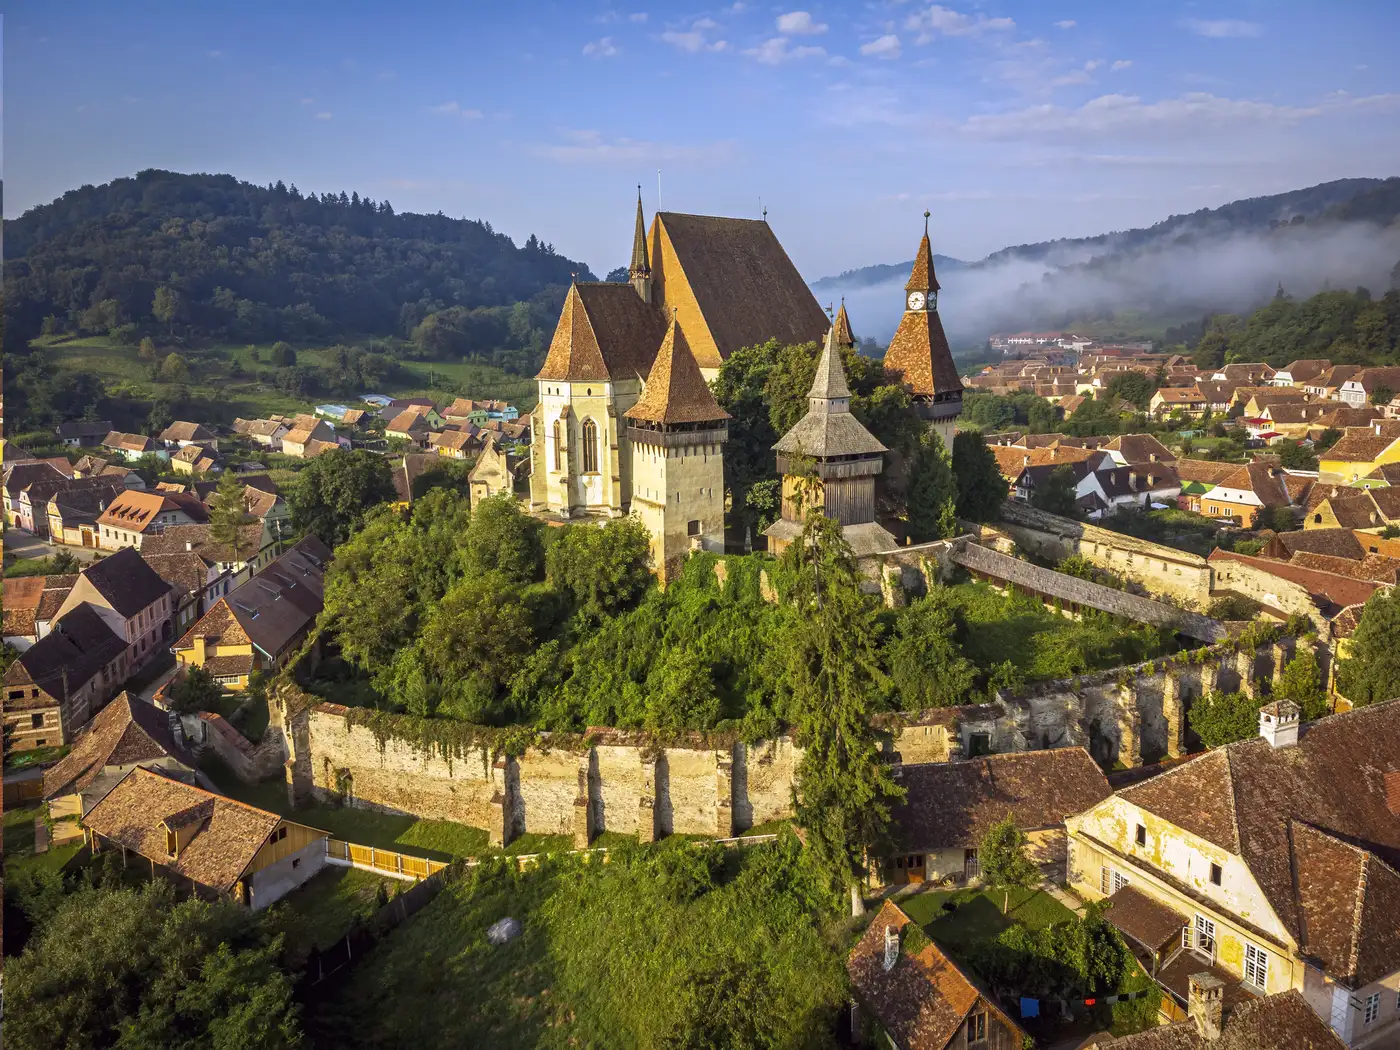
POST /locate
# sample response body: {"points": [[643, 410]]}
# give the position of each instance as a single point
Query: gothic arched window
{"points": [[558, 446], [590, 446]]}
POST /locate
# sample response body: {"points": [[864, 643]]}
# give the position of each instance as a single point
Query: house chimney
{"points": [[1025, 461], [1205, 1004], [189, 545], [891, 947], [1278, 723]]}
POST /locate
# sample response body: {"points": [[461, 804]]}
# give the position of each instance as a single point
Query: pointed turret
{"points": [[639, 272], [829, 384], [828, 429], [845, 338], [921, 277], [675, 390]]}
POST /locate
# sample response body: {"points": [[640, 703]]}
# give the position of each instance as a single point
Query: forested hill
{"points": [[253, 263]]}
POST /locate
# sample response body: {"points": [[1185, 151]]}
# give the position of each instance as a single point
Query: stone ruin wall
{"points": [[634, 785]]}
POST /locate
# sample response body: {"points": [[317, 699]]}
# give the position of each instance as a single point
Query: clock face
{"points": [[916, 300]]}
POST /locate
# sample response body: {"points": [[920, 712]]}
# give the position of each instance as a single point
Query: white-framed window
{"points": [[1373, 1008], [1256, 966], [1205, 935], [1111, 881]]}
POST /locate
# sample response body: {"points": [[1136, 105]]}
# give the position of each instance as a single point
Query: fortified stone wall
{"points": [[1161, 569]]}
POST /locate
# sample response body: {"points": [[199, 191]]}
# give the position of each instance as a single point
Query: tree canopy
{"points": [[336, 490], [1371, 671]]}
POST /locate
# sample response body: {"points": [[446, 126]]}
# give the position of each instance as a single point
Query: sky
{"points": [[1010, 122]]}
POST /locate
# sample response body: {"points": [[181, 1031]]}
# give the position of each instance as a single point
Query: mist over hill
{"points": [[1338, 234]]}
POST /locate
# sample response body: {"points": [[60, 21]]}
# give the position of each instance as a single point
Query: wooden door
{"points": [[914, 865]]}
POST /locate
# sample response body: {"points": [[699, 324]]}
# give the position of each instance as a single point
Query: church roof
{"points": [[828, 429], [918, 355], [605, 332], [675, 390], [742, 281], [639, 241], [922, 278], [844, 336]]}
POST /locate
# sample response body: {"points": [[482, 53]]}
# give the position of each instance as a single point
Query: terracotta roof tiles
{"points": [[127, 730], [675, 391]]}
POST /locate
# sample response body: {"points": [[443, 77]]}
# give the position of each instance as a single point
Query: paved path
{"points": [[21, 544], [41, 835], [1069, 900]]}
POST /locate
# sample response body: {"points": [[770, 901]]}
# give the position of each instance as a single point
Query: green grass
{"points": [[19, 844], [29, 567], [771, 827], [122, 369], [35, 756], [1042, 645], [532, 842], [978, 916], [333, 900]]}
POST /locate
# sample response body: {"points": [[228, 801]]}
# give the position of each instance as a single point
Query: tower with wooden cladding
{"points": [[918, 357], [677, 431]]}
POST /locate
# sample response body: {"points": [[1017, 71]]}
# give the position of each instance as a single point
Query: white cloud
{"points": [[455, 109], [775, 51], [799, 23], [1122, 63], [694, 40], [323, 115], [1077, 76], [1068, 23], [885, 47], [1092, 65], [637, 16], [1222, 27], [308, 101], [736, 7], [1195, 112], [604, 48], [593, 147], [938, 20]]}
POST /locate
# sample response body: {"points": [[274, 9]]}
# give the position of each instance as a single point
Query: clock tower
{"points": [[918, 357]]}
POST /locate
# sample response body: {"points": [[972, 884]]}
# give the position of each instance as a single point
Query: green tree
{"points": [[195, 690], [740, 389], [229, 514], [174, 369], [1294, 456], [1222, 718], [336, 489], [604, 570], [1371, 671], [482, 628], [1134, 387], [125, 968], [502, 538], [1282, 519], [926, 664], [147, 351], [843, 790], [165, 306], [283, 354], [1002, 856], [1382, 394], [931, 500], [981, 488], [1056, 496], [1301, 682]]}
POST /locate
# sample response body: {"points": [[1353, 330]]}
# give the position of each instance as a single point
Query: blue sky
{"points": [[1011, 122]]}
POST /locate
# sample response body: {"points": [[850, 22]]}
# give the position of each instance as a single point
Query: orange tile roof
{"points": [[675, 390]]}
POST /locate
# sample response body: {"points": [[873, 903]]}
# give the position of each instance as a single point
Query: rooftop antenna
{"points": [[765, 212]]}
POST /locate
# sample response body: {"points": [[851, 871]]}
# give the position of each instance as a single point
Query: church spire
{"points": [[845, 338], [829, 391], [922, 277], [639, 272]]}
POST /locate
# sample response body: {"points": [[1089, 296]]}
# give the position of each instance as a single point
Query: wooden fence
{"points": [[386, 862]]}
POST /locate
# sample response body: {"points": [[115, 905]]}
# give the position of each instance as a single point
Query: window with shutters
{"points": [[1205, 936], [1256, 966], [1111, 881]]}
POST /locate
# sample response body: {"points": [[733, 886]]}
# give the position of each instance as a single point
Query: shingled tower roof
{"points": [[845, 338], [675, 391], [631, 331], [639, 267], [918, 355], [828, 429], [922, 278]]}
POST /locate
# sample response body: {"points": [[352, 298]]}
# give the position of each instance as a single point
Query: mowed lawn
{"points": [[334, 899], [976, 916]]}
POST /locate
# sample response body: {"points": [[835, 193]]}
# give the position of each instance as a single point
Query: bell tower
{"points": [[639, 272]]}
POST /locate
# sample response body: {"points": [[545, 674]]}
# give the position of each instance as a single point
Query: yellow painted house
{"points": [[1268, 862], [258, 625], [1361, 451]]}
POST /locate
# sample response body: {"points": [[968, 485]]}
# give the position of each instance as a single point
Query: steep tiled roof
{"points": [[257, 427], [1328, 589], [64, 660], [1263, 478], [1179, 395], [129, 442], [125, 731], [919, 357], [1387, 501], [1144, 918], [1204, 470], [406, 473], [186, 572], [1140, 448], [1354, 512], [1363, 444], [1337, 543], [953, 804], [126, 581], [1375, 567], [453, 439], [744, 284], [845, 338], [675, 391], [1387, 472], [1012, 459], [605, 332], [406, 422], [185, 431], [82, 429], [177, 539], [1276, 1022], [228, 836], [1339, 416], [924, 998], [1306, 368], [828, 429], [1313, 824], [135, 511]]}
